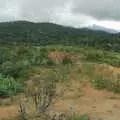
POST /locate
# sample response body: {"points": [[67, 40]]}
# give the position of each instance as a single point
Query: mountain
{"points": [[97, 27], [20, 32]]}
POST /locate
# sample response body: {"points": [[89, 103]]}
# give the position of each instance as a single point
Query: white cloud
{"points": [[109, 24], [64, 16], [77, 13]]}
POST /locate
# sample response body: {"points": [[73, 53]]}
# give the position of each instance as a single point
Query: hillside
{"points": [[53, 72], [52, 34], [40, 83]]}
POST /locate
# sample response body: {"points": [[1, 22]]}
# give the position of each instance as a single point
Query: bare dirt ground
{"points": [[8, 111], [100, 104]]}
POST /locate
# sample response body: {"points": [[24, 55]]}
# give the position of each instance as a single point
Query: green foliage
{"points": [[67, 60], [23, 32], [101, 83], [18, 61], [9, 86], [11, 69], [82, 117], [102, 56]]}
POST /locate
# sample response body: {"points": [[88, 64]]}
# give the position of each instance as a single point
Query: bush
{"points": [[14, 69], [94, 55], [9, 86], [67, 60], [10, 69], [101, 83]]}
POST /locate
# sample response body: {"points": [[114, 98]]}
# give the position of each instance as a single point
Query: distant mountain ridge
{"points": [[53, 34]]}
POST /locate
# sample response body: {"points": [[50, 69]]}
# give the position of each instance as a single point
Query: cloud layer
{"points": [[68, 12], [99, 9]]}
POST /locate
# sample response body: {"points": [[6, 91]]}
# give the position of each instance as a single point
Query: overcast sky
{"points": [[77, 13]]}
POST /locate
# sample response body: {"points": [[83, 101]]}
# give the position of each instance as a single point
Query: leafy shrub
{"points": [[67, 60], [9, 86], [101, 83], [94, 55], [14, 70], [10, 69]]}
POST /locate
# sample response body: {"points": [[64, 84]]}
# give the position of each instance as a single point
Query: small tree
{"points": [[42, 90], [43, 95], [22, 110], [9, 86]]}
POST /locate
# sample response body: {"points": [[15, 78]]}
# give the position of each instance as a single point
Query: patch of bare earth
{"points": [[9, 107], [8, 111], [82, 100], [100, 104]]}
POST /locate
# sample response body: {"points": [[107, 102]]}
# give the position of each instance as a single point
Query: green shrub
{"points": [[101, 83], [67, 60], [14, 70], [11, 69], [94, 55], [9, 86]]}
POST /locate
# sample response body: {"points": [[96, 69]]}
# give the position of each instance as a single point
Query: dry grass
{"points": [[59, 57]]}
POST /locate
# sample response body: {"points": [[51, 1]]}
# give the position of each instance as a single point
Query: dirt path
{"points": [[8, 111], [95, 103], [101, 104]]}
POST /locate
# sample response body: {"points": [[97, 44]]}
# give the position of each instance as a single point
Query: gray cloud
{"points": [[9, 10], [40, 10], [99, 9], [67, 12]]}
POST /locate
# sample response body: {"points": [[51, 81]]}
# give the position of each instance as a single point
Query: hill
{"points": [[45, 82], [52, 34]]}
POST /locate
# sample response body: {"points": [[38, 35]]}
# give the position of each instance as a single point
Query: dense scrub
{"points": [[18, 62], [9, 86]]}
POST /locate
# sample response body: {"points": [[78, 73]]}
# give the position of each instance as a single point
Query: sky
{"points": [[76, 13]]}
